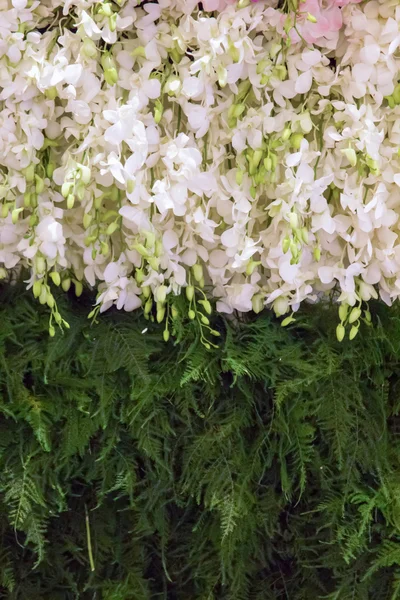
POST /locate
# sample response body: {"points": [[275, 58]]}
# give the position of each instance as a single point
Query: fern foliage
{"points": [[267, 468]]}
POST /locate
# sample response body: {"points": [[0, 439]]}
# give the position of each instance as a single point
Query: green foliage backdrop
{"points": [[132, 469]]}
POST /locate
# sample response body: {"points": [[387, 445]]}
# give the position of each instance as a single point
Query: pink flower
{"points": [[317, 20], [346, 2], [211, 5]]}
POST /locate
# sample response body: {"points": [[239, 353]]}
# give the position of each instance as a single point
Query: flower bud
{"points": [[286, 244], [340, 332], [27, 199], [112, 228], [50, 300], [50, 169], [51, 93], [197, 272], [5, 209], [160, 315], [354, 315], [166, 335], [87, 219], [293, 220], [37, 288], [351, 156], [353, 332], [343, 311], [104, 248], [111, 76], [85, 174], [257, 303], [317, 253], [153, 262], [15, 215], [161, 293], [66, 284], [89, 48], [52, 331], [78, 288], [55, 277], [189, 292], [70, 201], [281, 306], [39, 184], [251, 266], [30, 173], [158, 111], [112, 22], [311, 18], [286, 134], [268, 163], [43, 295], [222, 76], [207, 306], [66, 189], [287, 321], [204, 320], [295, 140], [191, 314], [239, 177]]}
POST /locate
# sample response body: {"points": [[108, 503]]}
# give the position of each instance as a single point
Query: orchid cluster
{"points": [[246, 152]]}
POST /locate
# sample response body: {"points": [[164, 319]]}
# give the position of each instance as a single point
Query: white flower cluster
{"points": [[150, 147]]}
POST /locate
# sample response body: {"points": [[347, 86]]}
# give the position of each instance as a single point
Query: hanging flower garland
{"points": [[241, 151]]}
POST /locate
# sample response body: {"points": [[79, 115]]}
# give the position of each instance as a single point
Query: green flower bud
{"points": [[353, 332], [197, 272], [343, 311], [293, 220], [161, 293], [146, 291], [87, 219], [52, 331], [37, 288], [251, 266], [15, 215], [70, 201], [239, 177], [268, 163], [5, 209], [206, 305], [317, 253], [286, 244], [153, 262], [30, 173], [78, 288], [112, 22], [295, 140], [166, 335], [43, 296], [257, 156], [51, 93], [66, 189], [355, 314], [139, 275], [304, 235], [112, 228], [340, 332], [111, 76], [104, 248], [89, 48], [50, 300], [160, 315], [27, 199], [396, 94], [39, 184], [311, 18], [189, 292], [139, 51], [257, 303], [50, 169], [215, 333], [351, 156], [286, 134], [204, 320], [287, 321], [55, 277], [66, 284], [191, 314]]}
